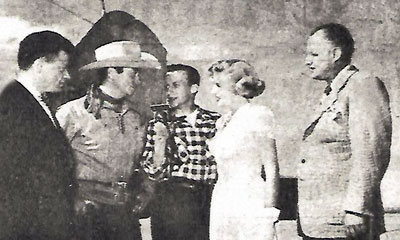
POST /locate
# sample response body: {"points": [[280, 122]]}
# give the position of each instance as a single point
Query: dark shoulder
{"points": [[13, 89], [13, 94], [15, 106]]}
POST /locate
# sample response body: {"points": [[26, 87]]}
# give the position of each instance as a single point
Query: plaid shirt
{"points": [[188, 156]]}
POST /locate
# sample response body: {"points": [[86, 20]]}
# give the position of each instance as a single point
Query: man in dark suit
{"points": [[36, 187]]}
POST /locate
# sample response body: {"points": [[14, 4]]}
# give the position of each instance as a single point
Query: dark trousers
{"points": [[107, 222], [181, 211]]}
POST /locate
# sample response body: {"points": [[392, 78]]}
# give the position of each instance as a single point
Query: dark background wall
{"points": [[270, 34]]}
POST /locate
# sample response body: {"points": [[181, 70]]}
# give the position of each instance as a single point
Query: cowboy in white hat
{"points": [[122, 54], [107, 136]]}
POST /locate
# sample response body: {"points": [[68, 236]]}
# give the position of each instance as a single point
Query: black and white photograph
{"points": [[199, 120]]}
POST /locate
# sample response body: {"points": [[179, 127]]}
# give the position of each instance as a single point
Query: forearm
{"points": [[271, 186], [154, 156], [159, 153], [270, 162]]}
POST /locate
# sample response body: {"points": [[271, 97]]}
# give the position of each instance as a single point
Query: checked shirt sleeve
{"points": [[213, 117], [183, 154]]}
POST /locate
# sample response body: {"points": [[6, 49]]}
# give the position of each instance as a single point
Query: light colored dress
{"points": [[238, 201]]}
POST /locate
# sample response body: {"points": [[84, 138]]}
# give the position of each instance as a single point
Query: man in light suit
{"points": [[346, 148], [36, 186]]}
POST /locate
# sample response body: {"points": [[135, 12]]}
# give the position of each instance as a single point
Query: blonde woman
{"points": [[243, 203]]}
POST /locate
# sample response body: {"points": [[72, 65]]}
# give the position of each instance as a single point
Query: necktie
{"points": [[45, 100]]}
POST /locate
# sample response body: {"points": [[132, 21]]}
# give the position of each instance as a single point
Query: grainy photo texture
{"points": [[183, 119]]}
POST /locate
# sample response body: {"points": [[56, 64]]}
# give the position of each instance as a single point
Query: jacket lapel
{"points": [[337, 85], [36, 108]]}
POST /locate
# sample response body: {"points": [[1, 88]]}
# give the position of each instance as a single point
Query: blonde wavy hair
{"points": [[242, 74]]}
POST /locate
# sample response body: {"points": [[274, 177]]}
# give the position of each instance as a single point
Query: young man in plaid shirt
{"points": [[177, 157]]}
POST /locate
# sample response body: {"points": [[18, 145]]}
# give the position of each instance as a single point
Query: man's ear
{"points": [[37, 65], [194, 88], [336, 53]]}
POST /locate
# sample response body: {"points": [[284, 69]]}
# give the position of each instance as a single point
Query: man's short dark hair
{"points": [[42, 44], [341, 37], [192, 73]]}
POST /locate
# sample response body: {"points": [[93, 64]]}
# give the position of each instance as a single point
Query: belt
{"points": [[186, 183], [112, 193], [119, 184]]}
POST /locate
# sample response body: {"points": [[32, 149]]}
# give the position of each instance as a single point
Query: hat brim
{"points": [[121, 63]]}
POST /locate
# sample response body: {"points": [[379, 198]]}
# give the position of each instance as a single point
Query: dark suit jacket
{"points": [[36, 168]]}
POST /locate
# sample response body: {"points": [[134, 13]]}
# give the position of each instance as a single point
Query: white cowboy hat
{"points": [[122, 54]]}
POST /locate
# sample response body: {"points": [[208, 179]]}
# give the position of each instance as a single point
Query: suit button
{"points": [[303, 161]]}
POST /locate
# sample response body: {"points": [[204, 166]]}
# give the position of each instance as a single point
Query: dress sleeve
{"points": [[261, 120], [261, 137]]}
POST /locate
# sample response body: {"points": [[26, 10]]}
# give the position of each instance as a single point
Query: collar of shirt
{"points": [[337, 84], [37, 95], [340, 80], [190, 118], [116, 107]]}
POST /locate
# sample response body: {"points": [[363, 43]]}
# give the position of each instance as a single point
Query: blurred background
{"points": [[270, 34]]}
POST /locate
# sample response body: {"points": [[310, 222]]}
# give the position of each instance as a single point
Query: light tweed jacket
{"points": [[344, 155]]}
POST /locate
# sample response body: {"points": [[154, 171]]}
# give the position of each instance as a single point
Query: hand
{"points": [[83, 206], [160, 142], [351, 219], [142, 199], [223, 120], [161, 132], [356, 226], [91, 144], [140, 202]]}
